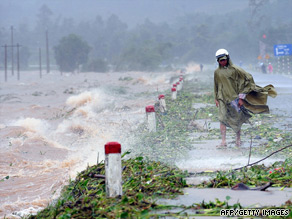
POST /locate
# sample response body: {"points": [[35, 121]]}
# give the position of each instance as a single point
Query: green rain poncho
{"points": [[231, 81]]}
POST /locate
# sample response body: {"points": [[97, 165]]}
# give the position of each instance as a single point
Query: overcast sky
{"points": [[13, 12]]}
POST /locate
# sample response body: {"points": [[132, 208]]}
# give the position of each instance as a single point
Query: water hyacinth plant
{"points": [[143, 182]]}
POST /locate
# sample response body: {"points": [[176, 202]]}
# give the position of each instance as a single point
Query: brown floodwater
{"points": [[52, 128]]}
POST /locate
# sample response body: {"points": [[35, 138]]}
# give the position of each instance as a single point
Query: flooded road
{"points": [[250, 199], [233, 157], [205, 156], [52, 128]]}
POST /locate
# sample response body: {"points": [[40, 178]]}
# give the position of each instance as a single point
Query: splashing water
{"points": [[44, 145], [32, 125]]}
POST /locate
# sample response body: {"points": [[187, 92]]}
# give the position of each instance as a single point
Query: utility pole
{"points": [[5, 59], [18, 75], [48, 55], [12, 55]]}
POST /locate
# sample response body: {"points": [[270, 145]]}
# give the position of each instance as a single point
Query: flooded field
{"points": [[52, 128]]}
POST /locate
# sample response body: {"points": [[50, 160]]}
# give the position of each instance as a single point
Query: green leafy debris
{"points": [[143, 182]]}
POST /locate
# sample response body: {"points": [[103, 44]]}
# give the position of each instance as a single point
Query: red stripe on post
{"points": [[177, 83], [160, 96], [112, 148], [173, 89], [174, 85], [150, 109]]}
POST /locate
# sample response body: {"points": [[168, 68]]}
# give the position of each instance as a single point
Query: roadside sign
{"points": [[283, 50]]}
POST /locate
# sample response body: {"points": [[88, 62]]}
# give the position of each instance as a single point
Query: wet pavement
{"points": [[273, 197], [233, 157], [250, 199], [206, 157]]}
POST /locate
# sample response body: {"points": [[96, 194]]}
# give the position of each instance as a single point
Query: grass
{"points": [[171, 140]]}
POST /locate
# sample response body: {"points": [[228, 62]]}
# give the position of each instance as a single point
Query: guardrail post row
{"points": [[181, 79], [178, 85], [173, 90], [162, 104], [181, 82], [151, 119], [113, 169]]}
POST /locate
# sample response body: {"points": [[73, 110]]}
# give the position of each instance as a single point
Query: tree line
{"points": [[103, 44]]}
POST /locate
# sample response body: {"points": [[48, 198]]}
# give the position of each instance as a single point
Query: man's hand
{"points": [[217, 103], [240, 102]]}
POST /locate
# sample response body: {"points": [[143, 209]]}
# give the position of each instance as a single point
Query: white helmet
{"points": [[220, 53]]}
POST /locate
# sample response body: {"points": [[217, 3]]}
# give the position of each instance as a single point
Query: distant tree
{"points": [[44, 21], [143, 57], [44, 16], [67, 26], [115, 33], [71, 52], [256, 14], [96, 65]]}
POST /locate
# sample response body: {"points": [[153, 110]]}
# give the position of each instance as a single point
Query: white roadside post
{"points": [[181, 79], [162, 104], [173, 96], [113, 169], [178, 86], [181, 82], [150, 115]]}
